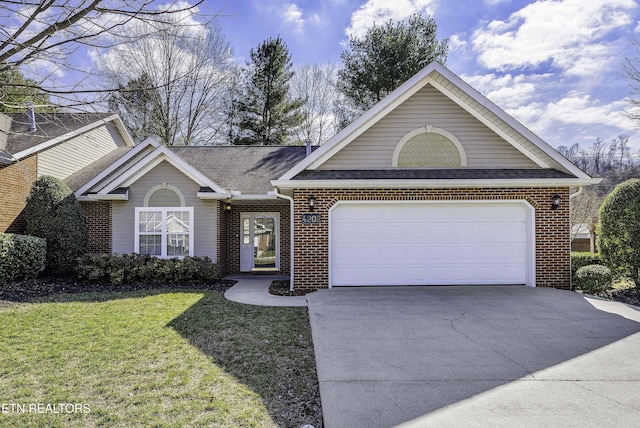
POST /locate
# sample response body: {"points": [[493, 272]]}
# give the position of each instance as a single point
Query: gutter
{"points": [[237, 196], [290, 199], [431, 183]]}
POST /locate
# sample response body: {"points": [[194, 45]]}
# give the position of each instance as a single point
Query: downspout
{"points": [[290, 199], [573, 195]]}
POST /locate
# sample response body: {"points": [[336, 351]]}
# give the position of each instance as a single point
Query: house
{"points": [[433, 185], [582, 239], [56, 144]]}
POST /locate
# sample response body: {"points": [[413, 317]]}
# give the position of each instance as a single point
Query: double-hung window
{"points": [[164, 232]]}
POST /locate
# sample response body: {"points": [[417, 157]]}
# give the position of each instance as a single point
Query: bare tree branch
{"points": [[43, 35]]}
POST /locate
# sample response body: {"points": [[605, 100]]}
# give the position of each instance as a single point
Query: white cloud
{"points": [[560, 112], [555, 31], [292, 14], [456, 42], [507, 91], [581, 109], [380, 11], [495, 2]]}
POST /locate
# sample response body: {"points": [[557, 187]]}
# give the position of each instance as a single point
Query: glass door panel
{"points": [[259, 241], [264, 242]]}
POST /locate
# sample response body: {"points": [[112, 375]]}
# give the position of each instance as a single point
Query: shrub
{"points": [[593, 278], [144, 269], [619, 230], [580, 259], [53, 213], [21, 257]]}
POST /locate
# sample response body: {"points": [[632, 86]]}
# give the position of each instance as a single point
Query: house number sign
{"points": [[311, 218]]}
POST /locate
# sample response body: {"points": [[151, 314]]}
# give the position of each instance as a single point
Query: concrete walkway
{"points": [[254, 290], [474, 357]]}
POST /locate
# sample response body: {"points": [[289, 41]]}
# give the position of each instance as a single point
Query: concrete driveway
{"points": [[474, 356]]}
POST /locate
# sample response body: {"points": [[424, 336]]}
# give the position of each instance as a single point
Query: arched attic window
{"points": [[429, 147], [164, 195]]}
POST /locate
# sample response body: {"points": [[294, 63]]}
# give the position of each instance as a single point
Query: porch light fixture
{"points": [[227, 207], [312, 202], [555, 201]]}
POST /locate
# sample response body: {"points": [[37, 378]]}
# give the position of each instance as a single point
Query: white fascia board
{"points": [[117, 164], [429, 184], [213, 196], [161, 153], [124, 132], [65, 137], [258, 197], [108, 197], [235, 197]]}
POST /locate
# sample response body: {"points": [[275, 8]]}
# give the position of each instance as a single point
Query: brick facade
{"points": [[99, 222], [15, 184], [311, 241], [98, 215], [233, 233]]}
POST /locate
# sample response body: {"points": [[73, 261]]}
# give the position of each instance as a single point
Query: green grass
{"points": [[160, 359]]}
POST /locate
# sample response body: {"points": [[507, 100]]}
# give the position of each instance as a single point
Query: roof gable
{"points": [[451, 86], [134, 165], [428, 115], [220, 171], [55, 128]]}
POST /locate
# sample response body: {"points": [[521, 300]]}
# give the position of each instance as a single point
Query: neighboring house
{"points": [[581, 238], [60, 144], [434, 185]]}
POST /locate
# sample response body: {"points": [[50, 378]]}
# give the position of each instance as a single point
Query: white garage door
{"points": [[430, 243]]}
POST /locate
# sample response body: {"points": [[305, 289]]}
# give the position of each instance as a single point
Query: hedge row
{"points": [[21, 257], [144, 269], [581, 259]]}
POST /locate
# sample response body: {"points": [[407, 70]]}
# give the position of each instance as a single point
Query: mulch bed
{"points": [[38, 287], [630, 296], [281, 288]]}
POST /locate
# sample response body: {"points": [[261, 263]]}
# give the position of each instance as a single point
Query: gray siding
{"points": [[374, 148], [65, 158], [204, 212]]}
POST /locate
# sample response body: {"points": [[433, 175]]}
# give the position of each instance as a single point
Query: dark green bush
{"points": [[53, 213], [21, 257], [581, 259], [619, 230], [144, 269], [593, 278]]}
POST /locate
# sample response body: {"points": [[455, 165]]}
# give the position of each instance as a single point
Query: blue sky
{"points": [[555, 65]]}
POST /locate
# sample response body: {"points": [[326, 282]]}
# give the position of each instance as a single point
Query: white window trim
{"points": [[163, 186], [164, 233], [428, 129]]}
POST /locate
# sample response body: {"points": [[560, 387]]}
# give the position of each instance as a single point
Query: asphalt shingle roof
{"points": [[248, 169], [79, 178], [48, 127]]}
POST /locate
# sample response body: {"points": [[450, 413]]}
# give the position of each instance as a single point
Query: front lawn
{"points": [[156, 358]]}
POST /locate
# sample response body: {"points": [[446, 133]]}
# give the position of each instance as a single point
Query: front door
{"points": [[259, 241]]}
